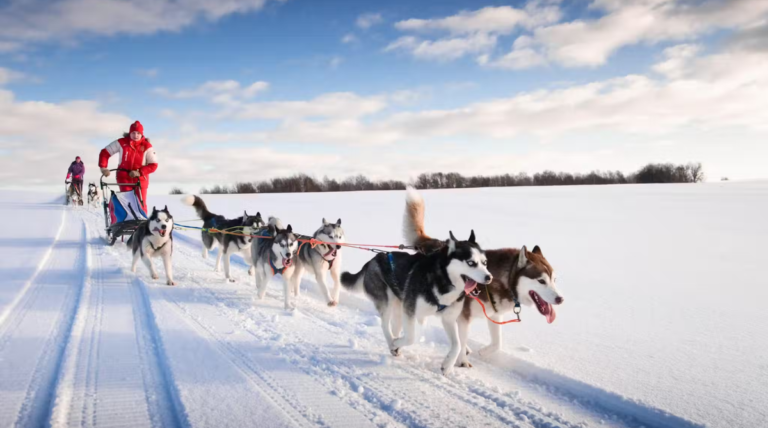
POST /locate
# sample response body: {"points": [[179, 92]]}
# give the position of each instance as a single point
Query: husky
{"points": [[419, 285], [154, 239], [321, 259], [519, 277], [93, 195], [228, 244], [275, 254]]}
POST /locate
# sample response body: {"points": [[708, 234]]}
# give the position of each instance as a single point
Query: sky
{"points": [[246, 90]]}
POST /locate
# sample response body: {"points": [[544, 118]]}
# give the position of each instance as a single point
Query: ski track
{"points": [[106, 347]]}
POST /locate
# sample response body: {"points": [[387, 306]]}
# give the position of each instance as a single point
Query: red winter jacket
{"points": [[137, 155]]}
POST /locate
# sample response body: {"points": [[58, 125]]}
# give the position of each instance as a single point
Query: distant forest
{"points": [[299, 183]]}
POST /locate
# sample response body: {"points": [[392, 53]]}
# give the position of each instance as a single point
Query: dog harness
{"points": [[274, 268]]}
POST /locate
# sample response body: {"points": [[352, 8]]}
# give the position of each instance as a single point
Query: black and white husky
{"points": [[419, 286], [93, 195], [275, 255], [228, 244], [321, 259], [154, 239]]}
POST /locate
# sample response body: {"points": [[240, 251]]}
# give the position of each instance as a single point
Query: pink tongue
{"points": [[287, 262], [551, 316], [469, 285]]}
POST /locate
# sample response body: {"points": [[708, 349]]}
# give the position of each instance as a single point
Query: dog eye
{"points": [[471, 263], [485, 262], [541, 281]]}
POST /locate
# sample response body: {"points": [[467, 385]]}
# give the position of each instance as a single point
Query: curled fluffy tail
{"points": [[199, 205], [413, 218], [353, 281], [275, 222]]}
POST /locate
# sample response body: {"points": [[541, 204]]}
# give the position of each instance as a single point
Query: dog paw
{"points": [[488, 350], [252, 271], [395, 352], [155, 276], [464, 363], [231, 279], [332, 303], [447, 371], [171, 282]]}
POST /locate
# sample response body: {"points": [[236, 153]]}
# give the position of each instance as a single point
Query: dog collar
{"points": [[274, 268]]}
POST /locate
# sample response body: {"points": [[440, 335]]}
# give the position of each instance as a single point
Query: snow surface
{"points": [[662, 325]]}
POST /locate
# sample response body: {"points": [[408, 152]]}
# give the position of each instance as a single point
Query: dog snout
{"points": [[488, 279], [559, 300], [288, 255], [164, 227], [338, 247]]}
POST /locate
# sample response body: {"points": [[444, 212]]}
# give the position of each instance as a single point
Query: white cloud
{"points": [[349, 39], [470, 32], [7, 76], [589, 43], [150, 73], [368, 20], [218, 91], [335, 62], [23, 22], [331, 105]]}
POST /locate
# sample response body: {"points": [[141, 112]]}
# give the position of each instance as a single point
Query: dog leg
{"points": [[320, 276], [227, 267], [136, 258], [408, 339], [150, 266], [452, 330], [463, 325], [495, 345], [336, 277], [218, 260], [205, 251], [386, 318], [168, 268], [397, 317], [287, 294], [261, 282]]}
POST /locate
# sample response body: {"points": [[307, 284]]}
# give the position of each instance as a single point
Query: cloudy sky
{"points": [[245, 90]]}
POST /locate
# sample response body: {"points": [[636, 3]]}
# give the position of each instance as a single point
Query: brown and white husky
{"points": [[519, 276]]}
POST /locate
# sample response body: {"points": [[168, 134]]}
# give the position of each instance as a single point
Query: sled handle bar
{"points": [[103, 184]]}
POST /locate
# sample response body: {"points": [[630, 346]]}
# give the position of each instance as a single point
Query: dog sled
{"points": [[123, 212], [72, 196]]}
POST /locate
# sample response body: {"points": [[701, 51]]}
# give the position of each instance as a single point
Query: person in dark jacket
{"points": [[77, 172]]}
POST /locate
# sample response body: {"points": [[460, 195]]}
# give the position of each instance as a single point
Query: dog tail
{"points": [[274, 221], [199, 205], [353, 281], [413, 218]]}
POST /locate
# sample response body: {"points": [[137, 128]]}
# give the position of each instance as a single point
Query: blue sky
{"points": [[250, 89]]}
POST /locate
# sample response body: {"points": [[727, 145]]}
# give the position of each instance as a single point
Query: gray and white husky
{"points": [[154, 239], [421, 285], [228, 244], [275, 254], [321, 259], [93, 195]]}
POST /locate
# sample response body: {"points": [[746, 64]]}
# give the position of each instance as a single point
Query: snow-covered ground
{"points": [[662, 325]]}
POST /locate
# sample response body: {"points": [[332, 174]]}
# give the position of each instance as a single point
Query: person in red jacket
{"points": [[136, 155]]}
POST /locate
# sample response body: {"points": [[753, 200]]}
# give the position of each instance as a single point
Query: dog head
{"points": [[537, 282], [161, 222], [91, 187], [467, 262], [284, 244], [251, 223], [331, 232]]}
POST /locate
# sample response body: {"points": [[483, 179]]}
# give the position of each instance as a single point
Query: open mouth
{"points": [[544, 308], [161, 232], [469, 284], [287, 262]]}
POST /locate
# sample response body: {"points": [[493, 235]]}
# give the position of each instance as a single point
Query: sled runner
{"points": [[123, 212]]}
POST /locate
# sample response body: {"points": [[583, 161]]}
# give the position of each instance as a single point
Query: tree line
{"points": [[299, 183]]}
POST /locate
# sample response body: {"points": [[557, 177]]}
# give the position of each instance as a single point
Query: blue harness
{"points": [[440, 307]]}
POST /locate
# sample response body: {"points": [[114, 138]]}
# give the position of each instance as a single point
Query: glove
{"points": [[135, 173], [105, 171]]}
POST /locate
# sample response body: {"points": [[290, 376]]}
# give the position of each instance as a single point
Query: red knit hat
{"points": [[136, 126]]}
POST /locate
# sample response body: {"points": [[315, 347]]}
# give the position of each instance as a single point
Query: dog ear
{"points": [[245, 213], [154, 209], [289, 229], [522, 259], [166, 208], [325, 222], [472, 236], [338, 222], [451, 242], [537, 250], [258, 215]]}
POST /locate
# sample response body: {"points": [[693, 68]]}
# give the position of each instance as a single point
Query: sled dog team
{"points": [[405, 288]]}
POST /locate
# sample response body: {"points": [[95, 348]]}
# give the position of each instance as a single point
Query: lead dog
{"points": [[275, 255], [421, 285], [519, 275], [154, 239]]}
